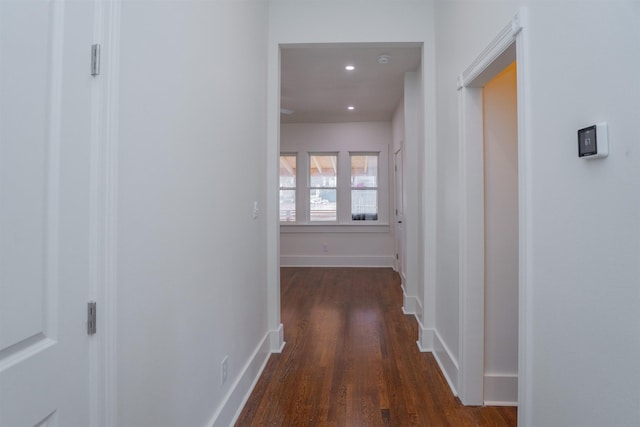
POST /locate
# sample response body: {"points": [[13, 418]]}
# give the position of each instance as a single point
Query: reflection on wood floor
{"points": [[351, 359]]}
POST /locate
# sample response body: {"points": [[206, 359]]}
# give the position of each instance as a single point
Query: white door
{"points": [[45, 241], [399, 214]]}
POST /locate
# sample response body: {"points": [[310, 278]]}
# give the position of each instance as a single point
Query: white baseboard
{"points": [[335, 261], [501, 390], [276, 339], [408, 304], [446, 361], [241, 389], [425, 339], [411, 304]]}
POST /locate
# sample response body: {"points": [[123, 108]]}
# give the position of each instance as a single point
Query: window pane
{"points": [[287, 171], [323, 171], [364, 171], [364, 183], [287, 205], [322, 205], [364, 205]]}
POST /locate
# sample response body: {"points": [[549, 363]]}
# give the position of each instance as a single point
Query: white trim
{"points": [[489, 62], [239, 393], [362, 227], [96, 222], [272, 194], [425, 338], [525, 231], [412, 306], [410, 303], [107, 202], [335, 261], [501, 389], [507, 46], [276, 339], [471, 257], [447, 363]]}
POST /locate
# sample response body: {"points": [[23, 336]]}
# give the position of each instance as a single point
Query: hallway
{"points": [[351, 359]]}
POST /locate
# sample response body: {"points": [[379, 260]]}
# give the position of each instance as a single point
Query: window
{"points": [[288, 187], [364, 187], [334, 190], [323, 180]]}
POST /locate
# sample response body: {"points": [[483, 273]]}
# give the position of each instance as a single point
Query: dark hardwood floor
{"points": [[351, 359]]}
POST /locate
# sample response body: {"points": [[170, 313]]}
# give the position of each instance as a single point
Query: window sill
{"points": [[334, 228]]}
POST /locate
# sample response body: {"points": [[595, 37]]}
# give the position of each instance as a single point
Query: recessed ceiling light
{"points": [[349, 68], [384, 59], [351, 107]]}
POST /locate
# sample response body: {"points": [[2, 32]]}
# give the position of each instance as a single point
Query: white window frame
{"points": [[344, 221], [352, 188], [336, 188], [295, 188]]}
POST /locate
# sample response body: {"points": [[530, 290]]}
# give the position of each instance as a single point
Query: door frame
{"points": [[510, 44], [400, 241], [104, 411]]}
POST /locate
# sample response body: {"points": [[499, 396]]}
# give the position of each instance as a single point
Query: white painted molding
{"points": [[507, 46], [409, 303], [501, 390], [425, 338], [108, 197], [276, 339], [447, 363], [490, 54], [239, 393], [97, 239], [335, 261], [525, 230], [292, 228], [471, 247]]}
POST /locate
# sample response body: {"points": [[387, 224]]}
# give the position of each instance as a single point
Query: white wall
{"points": [[191, 280], [585, 216], [350, 245], [500, 127], [413, 166], [583, 326], [456, 48]]}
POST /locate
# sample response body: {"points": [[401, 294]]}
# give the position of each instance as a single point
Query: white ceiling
{"points": [[318, 89]]}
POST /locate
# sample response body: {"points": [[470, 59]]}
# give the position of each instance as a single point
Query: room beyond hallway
{"points": [[351, 359]]}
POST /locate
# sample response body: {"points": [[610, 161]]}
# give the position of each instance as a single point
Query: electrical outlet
{"points": [[225, 369]]}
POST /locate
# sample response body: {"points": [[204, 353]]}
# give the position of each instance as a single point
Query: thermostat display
{"points": [[593, 141]]}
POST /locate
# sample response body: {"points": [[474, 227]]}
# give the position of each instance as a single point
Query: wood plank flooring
{"points": [[351, 359]]}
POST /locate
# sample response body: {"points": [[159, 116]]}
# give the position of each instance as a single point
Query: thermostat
{"points": [[593, 141]]}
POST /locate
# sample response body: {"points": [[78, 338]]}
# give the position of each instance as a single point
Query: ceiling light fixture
{"points": [[349, 68], [384, 59], [351, 107]]}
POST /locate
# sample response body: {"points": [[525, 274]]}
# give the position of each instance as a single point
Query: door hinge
{"points": [[91, 318], [397, 256], [95, 59]]}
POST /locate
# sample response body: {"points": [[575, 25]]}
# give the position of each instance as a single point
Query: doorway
{"points": [[399, 214], [480, 380], [342, 109]]}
